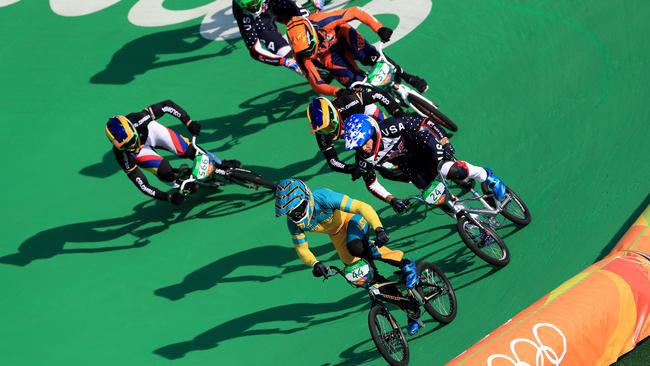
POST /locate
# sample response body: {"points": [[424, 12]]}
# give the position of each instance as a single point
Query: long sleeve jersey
{"points": [[141, 120], [332, 210]]}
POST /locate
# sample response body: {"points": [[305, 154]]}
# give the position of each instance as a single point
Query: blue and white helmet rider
{"points": [[359, 128], [294, 199]]}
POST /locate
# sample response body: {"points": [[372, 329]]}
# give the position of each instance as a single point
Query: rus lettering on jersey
{"points": [[218, 22]]}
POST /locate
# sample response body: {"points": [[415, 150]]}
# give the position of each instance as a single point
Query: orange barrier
{"points": [[591, 319]]}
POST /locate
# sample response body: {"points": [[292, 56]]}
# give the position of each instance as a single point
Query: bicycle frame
{"points": [[457, 205], [400, 90], [376, 296], [203, 165]]}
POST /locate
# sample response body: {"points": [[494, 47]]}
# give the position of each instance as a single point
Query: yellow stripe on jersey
{"points": [[359, 207], [305, 255]]}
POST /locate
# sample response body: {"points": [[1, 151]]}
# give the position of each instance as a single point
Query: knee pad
{"points": [[165, 172], [357, 248], [458, 171]]}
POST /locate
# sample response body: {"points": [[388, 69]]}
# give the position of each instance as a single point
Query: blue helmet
{"points": [[359, 128], [294, 199]]}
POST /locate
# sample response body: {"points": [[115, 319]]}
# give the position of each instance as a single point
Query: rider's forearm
{"points": [[364, 17], [334, 163], [261, 54], [321, 87], [140, 181], [305, 255], [379, 191], [168, 107], [317, 84], [365, 210], [381, 97]]}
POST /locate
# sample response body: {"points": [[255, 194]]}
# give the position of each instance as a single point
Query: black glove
{"points": [[319, 270], [195, 128], [176, 198], [449, 153], [398, 205], [231, 164], [355, 172], [384, 34], [381, 237]]}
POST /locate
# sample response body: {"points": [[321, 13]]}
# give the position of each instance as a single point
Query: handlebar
{"points": [[333, 271], [197, 146]]}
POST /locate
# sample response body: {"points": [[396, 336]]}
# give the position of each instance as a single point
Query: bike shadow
{"points": [[143, 54], [305, 314], [217, 272], [133, 230]]}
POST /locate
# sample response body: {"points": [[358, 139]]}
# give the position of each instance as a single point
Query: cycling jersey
{"points": [[410, 146], [364, 102], [153, 135], [339, 45], [261, 35], [342, 218]]}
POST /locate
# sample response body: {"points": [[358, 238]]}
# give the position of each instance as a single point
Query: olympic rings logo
{"points": [[544, 352]]}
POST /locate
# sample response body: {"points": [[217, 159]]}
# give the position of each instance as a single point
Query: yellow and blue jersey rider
{"points": [[346, 221]]}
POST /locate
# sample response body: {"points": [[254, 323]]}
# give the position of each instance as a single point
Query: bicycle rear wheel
{"points": [[249, 179], [388, 336], [483, 241], [438, 293], [432, 112]]}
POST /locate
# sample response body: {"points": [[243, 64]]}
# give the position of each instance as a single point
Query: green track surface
{"points": [[552, 95]]}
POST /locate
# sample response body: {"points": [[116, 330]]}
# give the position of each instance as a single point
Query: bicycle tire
{"points": [[390, 344], [521, 221], [250, 177], [431, 272], [432, 111], [500, 260]]}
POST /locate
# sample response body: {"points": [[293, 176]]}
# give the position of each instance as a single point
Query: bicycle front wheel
{"points": [[249, 179], [439, 295], [430, 110], [515, 210], [388, 336], [483, 241]]}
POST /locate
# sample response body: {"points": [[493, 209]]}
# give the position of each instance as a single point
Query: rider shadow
{"points": [[143, 54], [217, 272], [134, 229], [307, 315], [270, 107]]}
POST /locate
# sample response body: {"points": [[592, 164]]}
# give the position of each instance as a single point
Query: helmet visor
{"points": [[299, 212]]}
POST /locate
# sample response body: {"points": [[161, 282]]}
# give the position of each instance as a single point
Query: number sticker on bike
{"points": [[358, 272], [202, 167], [435, 193]]}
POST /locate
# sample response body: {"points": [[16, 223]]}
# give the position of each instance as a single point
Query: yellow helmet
{"points": [[324, 118], [122, 134]]}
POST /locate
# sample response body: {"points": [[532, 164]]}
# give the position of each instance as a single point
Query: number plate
{"points": [[435, 194], [202, 167], [358, 273], [381, 75]]}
